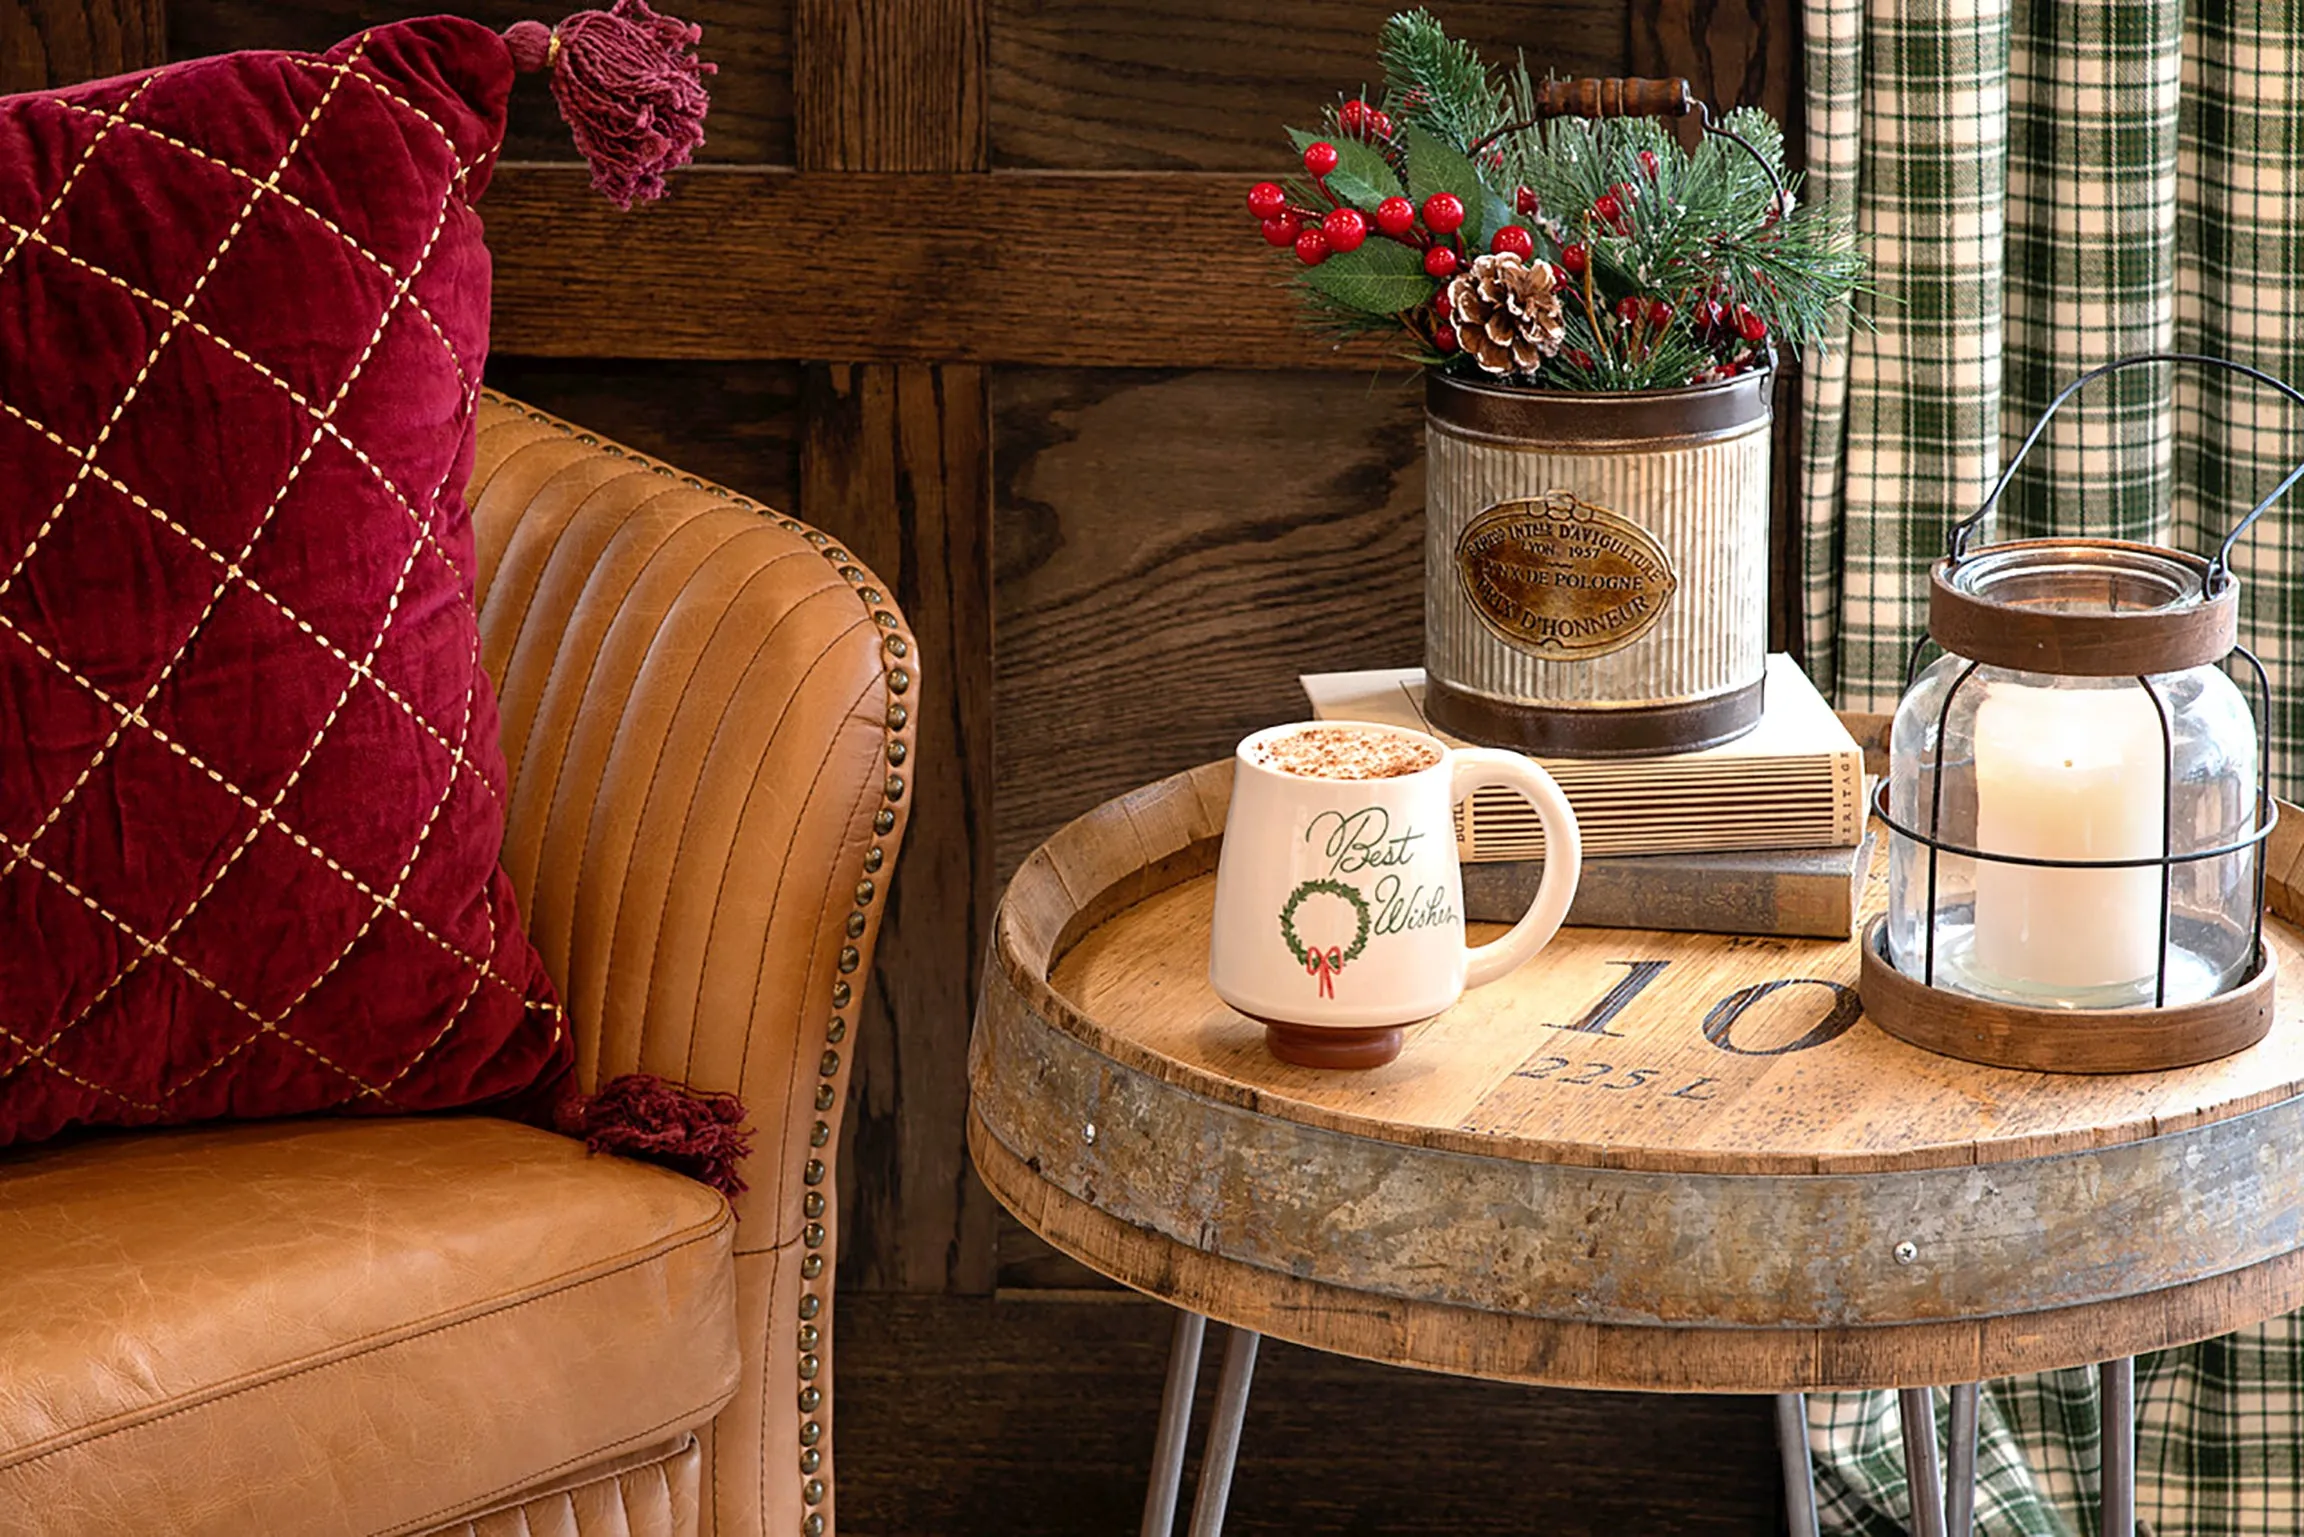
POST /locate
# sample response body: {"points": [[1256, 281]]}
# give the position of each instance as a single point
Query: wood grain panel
{"points": [[899, 459], [763, 264], [751, 41], [1174, 549], [1207, 84], [893, 460], [1033, 1417], [737, 423], [1736, 53], [58, 42], [890, 87]]}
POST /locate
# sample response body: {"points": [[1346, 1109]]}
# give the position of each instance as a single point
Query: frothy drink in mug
{"points": [[1346, 752], [1339, 904]]}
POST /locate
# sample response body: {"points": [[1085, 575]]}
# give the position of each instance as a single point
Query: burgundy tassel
{"points": [[632, 93], [641, 1116]]}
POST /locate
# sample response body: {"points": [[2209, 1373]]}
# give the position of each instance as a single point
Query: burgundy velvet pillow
{"points": [[251, 795]]}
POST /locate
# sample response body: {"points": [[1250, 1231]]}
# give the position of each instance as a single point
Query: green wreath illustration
{"points": [[1296, 898]]}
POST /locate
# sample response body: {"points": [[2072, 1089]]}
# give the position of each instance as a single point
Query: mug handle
{"points": [[1473, 767]]}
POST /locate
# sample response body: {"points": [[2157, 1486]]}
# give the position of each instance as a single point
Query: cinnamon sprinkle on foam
{"points": [[1344, 752]]}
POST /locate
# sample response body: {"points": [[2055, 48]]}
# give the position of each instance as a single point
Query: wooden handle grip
{"points": [[1615, 98]]}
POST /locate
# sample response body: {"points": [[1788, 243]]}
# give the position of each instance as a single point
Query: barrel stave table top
{"points": [[1888, 1216]]}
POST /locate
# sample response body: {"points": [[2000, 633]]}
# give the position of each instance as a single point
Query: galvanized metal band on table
{"points": [[1597, 1245]]}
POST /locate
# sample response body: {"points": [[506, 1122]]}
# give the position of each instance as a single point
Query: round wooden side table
{"points": [[1664, 1162]]}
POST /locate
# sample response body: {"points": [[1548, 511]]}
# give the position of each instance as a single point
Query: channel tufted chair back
{"points": [[706, 709]]}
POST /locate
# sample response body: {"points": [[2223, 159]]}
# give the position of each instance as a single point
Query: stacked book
{"points": [[1762, 835]]}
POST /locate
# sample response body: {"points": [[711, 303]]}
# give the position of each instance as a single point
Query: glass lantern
{"points": [[2077, 802]]}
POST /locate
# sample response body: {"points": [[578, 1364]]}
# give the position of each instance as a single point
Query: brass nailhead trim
{"points": [[868, 594], [897, 751], [814, 1493], [817, 539], [810, 1306], [883, 821], [794, 527], [692, 483], [820, 1133], [823, 1096], [810, 1397], [876, 856], [849, 958], [839, 995], [811, 1433], [813, 1204], [836, 555], [851, 573], [810, 1335], [897, 717], [866, 891], [855, 925], [830, 1064], [809, 1366], [897, 647], [811, 1460], [837, 1031], [895, 787], [898, 680], [813, 1174], [813, 1526], [887, 620], [811, 1267], [813, 1235]]}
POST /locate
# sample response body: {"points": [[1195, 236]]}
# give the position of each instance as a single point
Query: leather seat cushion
{"points": [[350, 1326]]}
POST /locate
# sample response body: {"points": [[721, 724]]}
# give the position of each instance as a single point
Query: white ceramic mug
{"points": [[1339, 903]]}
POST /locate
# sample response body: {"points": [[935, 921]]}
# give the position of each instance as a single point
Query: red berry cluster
{"points": [[1318, 234]]}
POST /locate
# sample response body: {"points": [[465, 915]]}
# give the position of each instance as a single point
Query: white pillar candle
{"points": [[2068, 774]]}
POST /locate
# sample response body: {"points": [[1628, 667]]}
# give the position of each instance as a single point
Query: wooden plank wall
{"points": [[967, 282]]}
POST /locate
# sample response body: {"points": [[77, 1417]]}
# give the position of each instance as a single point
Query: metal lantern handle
{"points": [[2220, 567]]}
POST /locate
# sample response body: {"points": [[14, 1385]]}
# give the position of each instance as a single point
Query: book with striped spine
{"points": [[1795, 781]]}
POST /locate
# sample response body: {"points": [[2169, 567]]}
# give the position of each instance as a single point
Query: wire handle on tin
{"points": [[2218, 568], [1617, 97]]}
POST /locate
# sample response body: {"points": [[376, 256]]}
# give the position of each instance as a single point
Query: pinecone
{"points": [[1506, 315]]}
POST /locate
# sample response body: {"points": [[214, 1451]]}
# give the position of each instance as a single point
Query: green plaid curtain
{"points": [[2042, 189]]}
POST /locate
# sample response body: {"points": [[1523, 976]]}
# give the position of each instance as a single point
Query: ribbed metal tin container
{"points": [[1596, 566]]}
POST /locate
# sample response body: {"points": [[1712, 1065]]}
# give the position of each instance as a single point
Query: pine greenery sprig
{"points": [[1672, 267], [1436, 82]]}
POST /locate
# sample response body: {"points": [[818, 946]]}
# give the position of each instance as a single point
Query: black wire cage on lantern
{"points": [[2077, 802]]}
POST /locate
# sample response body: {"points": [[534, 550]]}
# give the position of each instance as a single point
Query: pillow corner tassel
{"points": [[657, 1121], [629, 87]]}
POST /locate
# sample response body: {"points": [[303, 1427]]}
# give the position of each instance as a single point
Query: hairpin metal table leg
{"points": [[2117, 1381], [1175, 1424], [1223, 1448], [1799, 1471], [1960, 1477], [1922, 1474]]}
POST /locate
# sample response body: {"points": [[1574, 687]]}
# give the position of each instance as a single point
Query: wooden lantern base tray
{"points": [[1644, 1160], [2144, 1040]]}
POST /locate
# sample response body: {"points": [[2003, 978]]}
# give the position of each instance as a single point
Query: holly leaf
{"points": [[1435, 165], [1496, 211], [1363, 177], [1382, 277]]}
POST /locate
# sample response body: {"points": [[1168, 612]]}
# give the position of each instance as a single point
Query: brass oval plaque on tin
{"points": [[1558, 576]]}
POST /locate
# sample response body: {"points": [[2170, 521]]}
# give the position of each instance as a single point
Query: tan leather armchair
{"points": [[458, 1324]]}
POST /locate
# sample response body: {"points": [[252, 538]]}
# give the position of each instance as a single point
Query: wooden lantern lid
{"points": [[2090, 608]]}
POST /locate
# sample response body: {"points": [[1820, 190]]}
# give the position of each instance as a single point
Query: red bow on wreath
{"points": [[1324, 964]]}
